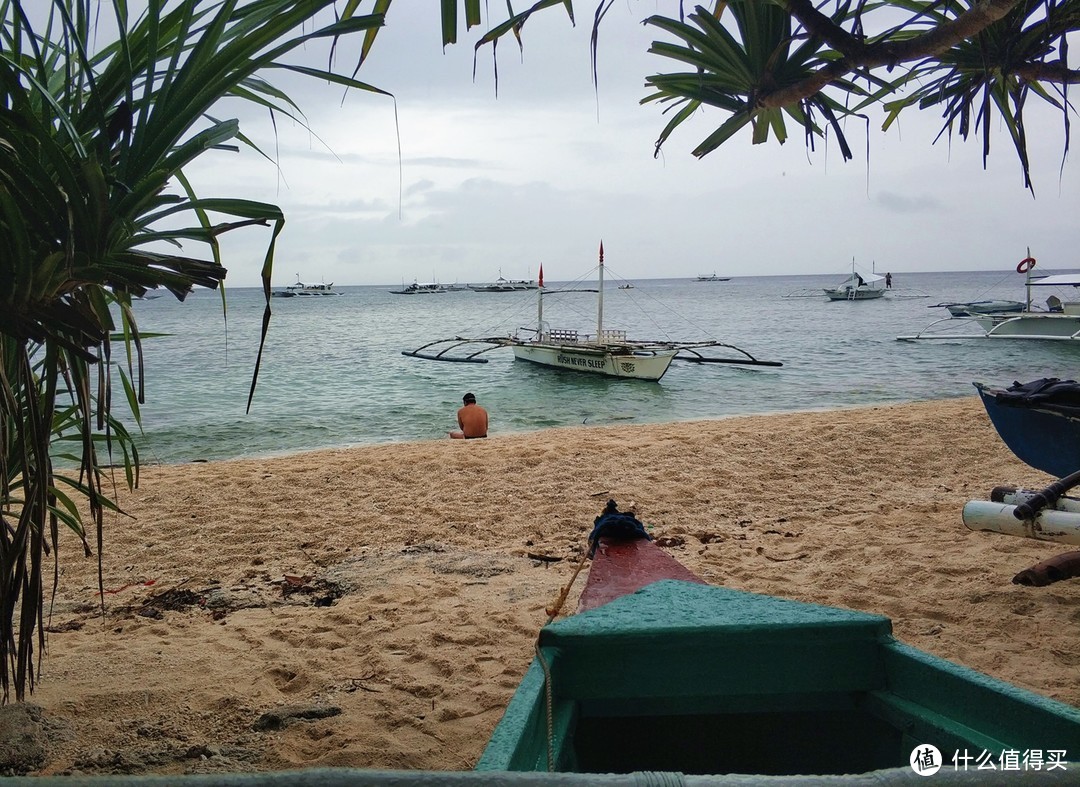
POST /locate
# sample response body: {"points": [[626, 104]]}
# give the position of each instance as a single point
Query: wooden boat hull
{"points": [[860, 294], [1042, 433], [621, 567], [651, 365], [706, 680]]}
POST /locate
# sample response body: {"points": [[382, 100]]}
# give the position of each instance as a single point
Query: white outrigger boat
{"points": [[299, 289], [856, 287], [607, 352], [1059, 321]]}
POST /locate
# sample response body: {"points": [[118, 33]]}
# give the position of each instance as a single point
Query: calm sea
{"points": [[333, 373]]}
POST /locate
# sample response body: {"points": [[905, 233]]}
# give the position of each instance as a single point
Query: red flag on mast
{"points": [[540, 281], [601, 251]]}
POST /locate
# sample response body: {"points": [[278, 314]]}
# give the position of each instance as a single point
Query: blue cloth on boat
{"points": [[613, 523]]}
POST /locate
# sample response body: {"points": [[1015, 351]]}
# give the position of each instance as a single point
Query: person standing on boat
{"points": [[472, 420]]}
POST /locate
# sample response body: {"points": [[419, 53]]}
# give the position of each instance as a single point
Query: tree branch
{"points": [[857, 54], [1048, 72]]}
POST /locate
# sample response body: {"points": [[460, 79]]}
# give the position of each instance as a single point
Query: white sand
{"points": [[440, 604]]}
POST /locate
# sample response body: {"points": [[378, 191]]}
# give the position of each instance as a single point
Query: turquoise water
{"points": [[333, 373]]}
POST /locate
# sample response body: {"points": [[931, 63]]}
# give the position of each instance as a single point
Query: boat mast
{"points": [[540, 310], [600, 300]]}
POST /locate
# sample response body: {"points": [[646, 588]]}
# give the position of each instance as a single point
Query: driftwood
{"points": [[1054, 569]]}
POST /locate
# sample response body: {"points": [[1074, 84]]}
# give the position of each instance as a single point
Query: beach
{"points": [[375, 607]]}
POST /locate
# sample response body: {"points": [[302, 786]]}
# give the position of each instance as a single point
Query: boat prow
{"points": [[1039, 421], [679, 676]]}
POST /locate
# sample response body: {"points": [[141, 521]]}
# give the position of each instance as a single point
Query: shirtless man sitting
{"points": [[472, 420]]}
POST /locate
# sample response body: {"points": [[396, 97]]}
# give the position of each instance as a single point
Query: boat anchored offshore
{"points": [[856, 287], [505, 285], [417, 288], [1058, 321], [659, 672], [301, 290], [607, 352]]}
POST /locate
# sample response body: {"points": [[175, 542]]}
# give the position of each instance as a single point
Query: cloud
{"points": [[898, 203], [453, 181]]}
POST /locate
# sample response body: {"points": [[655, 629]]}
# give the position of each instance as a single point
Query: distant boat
{"points": [[856, 287], [713, 277], [420, 289], [626, 286], [299, 289], [505, 285]]}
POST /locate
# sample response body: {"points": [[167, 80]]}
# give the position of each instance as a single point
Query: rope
{"points": [[549, 702], [554, 610]]}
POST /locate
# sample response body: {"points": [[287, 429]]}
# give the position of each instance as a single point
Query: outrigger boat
{"points": [[416, 288], [607, 352], [1059, 321], [856, 287], [505, 285], [299, 289], [659, 672]]}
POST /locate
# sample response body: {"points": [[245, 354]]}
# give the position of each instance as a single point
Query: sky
{"points": [[453, 182]]}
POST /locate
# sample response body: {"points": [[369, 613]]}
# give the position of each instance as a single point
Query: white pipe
{"points": [[1049, 525], [1015, 497]]}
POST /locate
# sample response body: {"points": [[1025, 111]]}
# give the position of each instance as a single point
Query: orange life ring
{"points": [[1025, 265]]}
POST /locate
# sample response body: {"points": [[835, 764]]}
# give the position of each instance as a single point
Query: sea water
{"points": [[333, 374]]}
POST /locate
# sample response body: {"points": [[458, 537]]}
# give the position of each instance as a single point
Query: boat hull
{"points": [[973, 308], [1031, 326], [1043, 434], [627, 363], [861, 294], [621, 567], [708, 680]]}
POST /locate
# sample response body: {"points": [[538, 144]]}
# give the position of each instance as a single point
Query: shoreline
{"points": [[495, 434], [393, 582]]}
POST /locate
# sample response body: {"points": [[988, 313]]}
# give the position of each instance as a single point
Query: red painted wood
{"points": [[620, 567]]}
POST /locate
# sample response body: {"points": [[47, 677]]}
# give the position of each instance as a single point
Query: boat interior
{"points": [[705, 680]]}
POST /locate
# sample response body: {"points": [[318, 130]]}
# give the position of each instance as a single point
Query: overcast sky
{"points": [[541, 173]]}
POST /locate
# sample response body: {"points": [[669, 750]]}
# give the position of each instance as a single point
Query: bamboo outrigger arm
{"points": [[453, 344], [696, 357]]}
